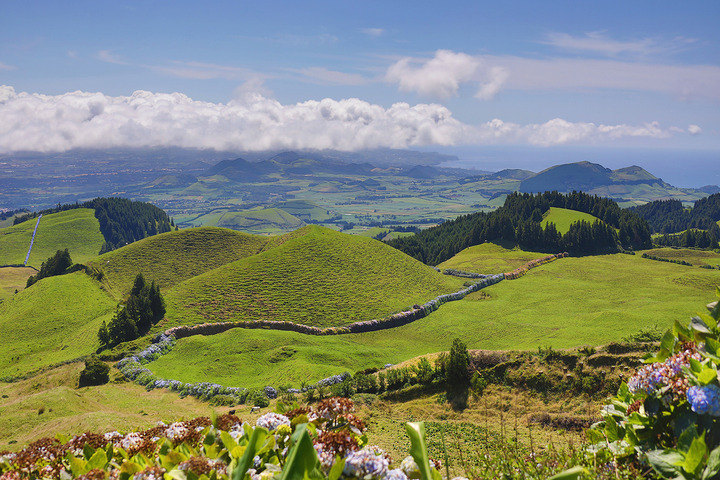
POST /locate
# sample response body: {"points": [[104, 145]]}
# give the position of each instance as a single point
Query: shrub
{"points": [[458, 374], [95, 373]]}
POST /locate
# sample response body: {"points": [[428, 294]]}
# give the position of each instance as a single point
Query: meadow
{"points": [[563, 218], [13, 278], [568, 303], [696, 257], [490, 258], [77, 230], [53, 321], [51, 403], [315, 276]]}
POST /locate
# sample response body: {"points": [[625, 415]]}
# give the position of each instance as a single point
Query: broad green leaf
{"points": [[418, 449], [176, 474], [337, 468], [78, 466], [712, 346], [697, 324], [695, 366], [709, 320], [695, 455], [612, 430], [228, 441], [686, 438], [257, 439], [707, 375], [713, 465], [302, 460], [682, 332], [98, 460], [668, 341], [88, 452], [570, 474], [665, 462]]}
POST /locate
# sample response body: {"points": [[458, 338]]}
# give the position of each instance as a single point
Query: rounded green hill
{"points": [[314, 276]]}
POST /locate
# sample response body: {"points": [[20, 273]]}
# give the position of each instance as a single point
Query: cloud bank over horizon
{"points": [[77, 120]]}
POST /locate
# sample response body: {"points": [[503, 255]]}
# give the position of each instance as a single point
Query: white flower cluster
{"points": [[272, 420], [368, 462]]}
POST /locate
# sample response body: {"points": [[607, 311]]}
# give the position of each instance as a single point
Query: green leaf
{"points": [[228, 441], [695, 366], [665, 462], [176, 474], [302, 460], [612, 430], [712, 346], [686, 438], [713, 465], [98, 460], [337, 468], [707, 375], [257, 439], [570, 474], [695, 455], [668, 341], [78, 466], [418, 449], [683, 333]]}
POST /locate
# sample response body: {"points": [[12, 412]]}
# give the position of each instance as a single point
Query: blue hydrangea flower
{"points": [[705, 400]]}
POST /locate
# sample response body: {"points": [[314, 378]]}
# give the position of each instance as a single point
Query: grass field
{"points": [[263, 221], [13, 278], [77, 230], [567, 303], [69, 410], [172, 257], [316, 277], [490, 258], [563, 218], [696, 257], [56, 319]]}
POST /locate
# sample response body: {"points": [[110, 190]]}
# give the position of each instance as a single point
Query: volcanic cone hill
{"points": [[314, 276]]}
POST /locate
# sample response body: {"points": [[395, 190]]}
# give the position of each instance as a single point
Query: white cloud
{"points": [[202, 71], [325, 76], [4, 66], [600, 43], [108, 57], [373, 32], [694, 130], [36, 122], [496, 77], [439, 76]]}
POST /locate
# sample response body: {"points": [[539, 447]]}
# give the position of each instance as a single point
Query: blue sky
{"points": [[631, 74]]}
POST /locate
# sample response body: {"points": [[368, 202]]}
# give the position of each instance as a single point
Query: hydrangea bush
{"points": [[667, 415], [323, 442]]}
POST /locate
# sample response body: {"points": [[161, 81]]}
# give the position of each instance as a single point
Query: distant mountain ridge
{"points": [[586, 176]]}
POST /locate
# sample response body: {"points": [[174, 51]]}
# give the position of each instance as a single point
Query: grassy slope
{"points": [[563, 218], [70, 410], [570, 302], [13, 278], [490, 258], [77, 230], [54, 320], [696, 257], [172, 257], [317, 277], [265, 220]]}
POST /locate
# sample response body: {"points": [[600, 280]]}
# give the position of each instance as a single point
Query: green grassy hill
{"points": [[490, 258], [563, 218], [77, 230], [172, 257], [263, 221], [571, 302], [316, 277], [305, 210], [56, 319]]}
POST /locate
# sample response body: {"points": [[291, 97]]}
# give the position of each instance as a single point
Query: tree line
{"points": [[519, 221], [122, 221], [144, 308], [670, 216], [58, 264], [691, 238]]}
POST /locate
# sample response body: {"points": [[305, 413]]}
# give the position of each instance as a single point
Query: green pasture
{"points": [[77, 230], [172, 257], [696, 257], [563, 218], [567, 303], [316, 277], [55, 320], [490, 258]]}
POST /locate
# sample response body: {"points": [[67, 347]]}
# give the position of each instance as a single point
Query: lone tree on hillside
{"points": [[55, 265], [458, 375], [143, 309]]}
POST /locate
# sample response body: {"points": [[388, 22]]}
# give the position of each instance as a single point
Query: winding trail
{"points": [[32, 240]]}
